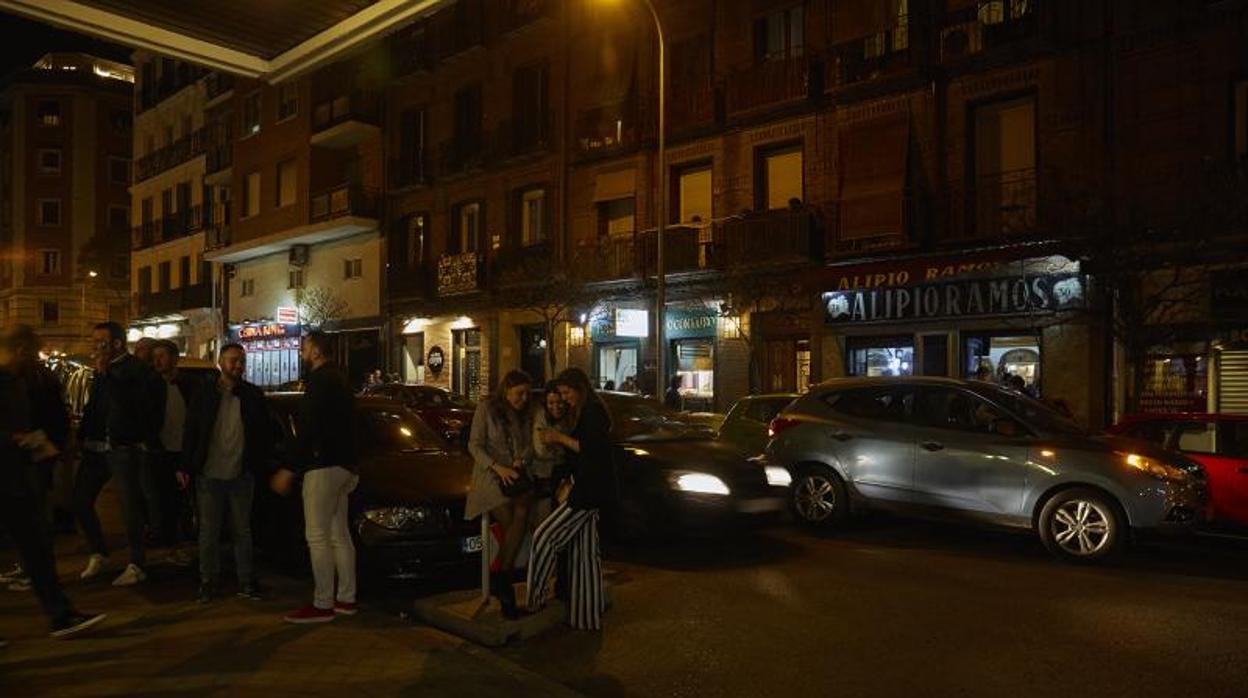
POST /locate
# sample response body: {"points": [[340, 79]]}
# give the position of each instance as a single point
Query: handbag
{"points": [[522, 484]]}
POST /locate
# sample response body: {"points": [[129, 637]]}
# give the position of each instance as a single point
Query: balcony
{"points": [[524, 136], [460, 273], [612, 130], [143, 235], [996, 206], [410, 171], [516, 266], [772, 83], [216, 87], [692, 107], [887, 226], [986, 26], [346, 120], [685, 249], [180, 151], [515, 14], [612, 259], [412, 50], [461, 154], [767, 238], [173, 301], [344, 200], [180, 224], [878, 56], [460, 27]]}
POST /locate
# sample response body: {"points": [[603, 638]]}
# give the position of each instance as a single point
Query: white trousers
{"points": [[325, 493]]}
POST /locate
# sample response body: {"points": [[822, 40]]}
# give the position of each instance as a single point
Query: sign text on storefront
{"points": [[952, 299]]}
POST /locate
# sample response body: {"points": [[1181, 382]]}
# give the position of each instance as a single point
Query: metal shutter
{"points": [[1233, 382]]}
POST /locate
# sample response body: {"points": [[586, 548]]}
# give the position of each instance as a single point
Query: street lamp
{"points": [[660, 292], [90, 275]]}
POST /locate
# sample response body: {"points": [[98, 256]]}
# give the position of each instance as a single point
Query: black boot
{"points": [[501, 589]]}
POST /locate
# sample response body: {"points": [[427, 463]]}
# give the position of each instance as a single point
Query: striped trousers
{"points": [[576, 531]]}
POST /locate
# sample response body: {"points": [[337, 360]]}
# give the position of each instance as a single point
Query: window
{"points": [[530, 105], [468, 119], [617, 218], [352, 268], [416, 227], [392, 432], [118, 219], [49, 161], [763, 410], [466, 236], [49, 262], [48, 112], [779, 35], [120, 121], [1005, 167], [1003, 360], [251, 114], [184, 271], [880, 356], [947, 408], [412, 146], [164, 276], [120, 267], [145, 280], [49, 212], [287, 101], [780, 177], [294, 279], [1233, 439], [247, 288], [251, 195], [50, 312], [532, 217], [693, 194], [119, 170], [890, 404], [286, 183], [1197, 437]]}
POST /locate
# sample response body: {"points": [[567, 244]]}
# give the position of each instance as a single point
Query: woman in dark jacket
{"points": [[573, 525]]}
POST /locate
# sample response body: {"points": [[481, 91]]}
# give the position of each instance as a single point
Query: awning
{"points": [[854, 19], [873, 167], [618, 184]]}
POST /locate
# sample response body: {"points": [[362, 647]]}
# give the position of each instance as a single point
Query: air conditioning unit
{"points": [[299, 255], [961, 40]]}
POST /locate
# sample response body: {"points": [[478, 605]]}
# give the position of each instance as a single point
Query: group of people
{"points": [[160, 437], [542, 472]]}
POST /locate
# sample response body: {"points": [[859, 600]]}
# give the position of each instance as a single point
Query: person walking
{"points": [[93, 472], [501, 445], [324, 452], [18, 514], [225, 449], [162, 486], [133, 399], [573, 525]]}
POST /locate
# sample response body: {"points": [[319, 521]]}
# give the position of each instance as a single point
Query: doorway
{"points": [[533, 352], [466, 363]]}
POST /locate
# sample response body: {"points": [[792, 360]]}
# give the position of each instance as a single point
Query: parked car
{"points": [[407, 512], [449, 414], [747, 422], [1219, 442], [975, 450], [672, 474]]}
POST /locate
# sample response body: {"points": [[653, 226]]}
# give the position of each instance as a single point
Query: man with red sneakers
{"points": [[324, 453]]}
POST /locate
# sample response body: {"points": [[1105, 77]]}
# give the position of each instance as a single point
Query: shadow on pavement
{"points": [[747, 549]]}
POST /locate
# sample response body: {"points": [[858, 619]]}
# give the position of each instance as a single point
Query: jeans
{"points": [[160, 491], [213, 496], [19, 516], [126, 464], [92, 475], [325, 492]]}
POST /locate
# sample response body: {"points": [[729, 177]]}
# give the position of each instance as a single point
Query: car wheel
{"points": [[1081, 525], [819, 498]]}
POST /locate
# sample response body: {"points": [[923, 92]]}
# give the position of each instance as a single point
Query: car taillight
{"points": [[781, 424]]}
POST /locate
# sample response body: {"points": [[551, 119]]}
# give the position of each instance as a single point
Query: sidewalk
{"points": [[159, 641]]}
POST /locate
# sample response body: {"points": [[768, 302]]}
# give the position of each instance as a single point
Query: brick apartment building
{"points": [[65, 126]]}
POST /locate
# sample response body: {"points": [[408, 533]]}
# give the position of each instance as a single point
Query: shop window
{"points": [[695, 366], [287, 101], [880, 356], [50, 161], [617, 363], [1002, 359], [779, 35], [1004, 183], [251, 114], [692, 194], [780, 177], [286, 183]]}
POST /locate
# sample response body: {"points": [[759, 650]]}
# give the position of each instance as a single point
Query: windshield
{"points": [[1035, 413], [431, 397], [632, 416], [396, 429]]}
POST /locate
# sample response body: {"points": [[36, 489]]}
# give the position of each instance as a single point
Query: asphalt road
{"points": [[899, 608]]}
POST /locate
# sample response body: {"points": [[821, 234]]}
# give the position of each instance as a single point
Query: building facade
{"points": [[65, 135]]}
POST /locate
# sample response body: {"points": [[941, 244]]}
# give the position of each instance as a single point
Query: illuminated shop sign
{"points": [[1013, 295]]}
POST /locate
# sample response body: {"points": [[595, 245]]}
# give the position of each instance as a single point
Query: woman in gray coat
{"points": [[501, 444]]}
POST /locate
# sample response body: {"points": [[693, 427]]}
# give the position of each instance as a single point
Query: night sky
{"points": [[24, 41]]}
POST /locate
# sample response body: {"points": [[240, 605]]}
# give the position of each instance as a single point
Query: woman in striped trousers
{"points": [[573, 525]]}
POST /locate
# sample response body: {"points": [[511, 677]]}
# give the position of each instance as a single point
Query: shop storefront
{"points": [[691, 334], [193, 331], [622, 350], [272, 352], [447, 352], [619, 337]]}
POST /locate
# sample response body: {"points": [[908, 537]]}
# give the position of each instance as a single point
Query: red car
{"points": [[1219, 442], [449, 414]]}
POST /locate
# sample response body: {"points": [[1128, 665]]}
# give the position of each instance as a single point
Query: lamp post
{"points": [[90, 275]]}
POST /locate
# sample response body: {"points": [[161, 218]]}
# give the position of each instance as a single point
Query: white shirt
{"points": [[225, 451], [175, 419]]}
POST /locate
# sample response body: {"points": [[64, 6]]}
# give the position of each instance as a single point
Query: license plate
{"points": [[757, 506], [471, 544]]}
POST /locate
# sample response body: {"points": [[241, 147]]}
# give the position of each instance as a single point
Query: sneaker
{"points": [[207, 591], [251, 592], [76, 623], [95, 565], [310, 614], [13, 573], [343, 608], [20, 584], [132, 575]]}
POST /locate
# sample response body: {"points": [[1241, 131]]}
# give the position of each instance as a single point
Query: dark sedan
{"points": [[407, 515], [673, 475], [449, 414]]}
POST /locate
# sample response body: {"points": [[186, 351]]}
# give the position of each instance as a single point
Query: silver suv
{"points": [[975, 450]]}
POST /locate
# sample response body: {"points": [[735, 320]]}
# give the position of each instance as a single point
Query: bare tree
{"points": [[319, 305]]}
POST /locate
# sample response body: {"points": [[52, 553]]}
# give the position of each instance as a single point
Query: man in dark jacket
{"points": [[93, 472], [18, 516], [164, 503], [225, 448], [324, 451], [132, 403]]}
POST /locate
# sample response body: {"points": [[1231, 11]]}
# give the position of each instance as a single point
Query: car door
{"points": [[873, 439], [1233, 446], [1200, 440], [968, 457]]}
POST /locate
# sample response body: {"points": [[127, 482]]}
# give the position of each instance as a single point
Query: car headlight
{"points": [[398, 518], [700, 483], [778, 476], [1159, 470]]}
